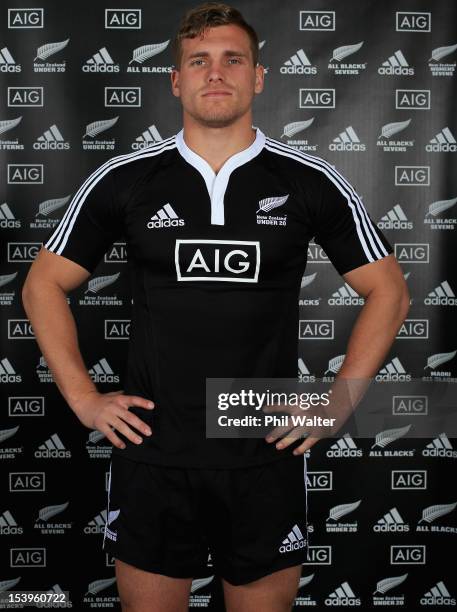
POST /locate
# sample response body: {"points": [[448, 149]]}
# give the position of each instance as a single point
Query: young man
{"points": [[215, 281]]}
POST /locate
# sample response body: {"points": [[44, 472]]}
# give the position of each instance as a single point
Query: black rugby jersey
{"points": [[216, 262]]}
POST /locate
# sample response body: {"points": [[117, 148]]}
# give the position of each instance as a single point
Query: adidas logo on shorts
{"points": [[165, 217], [294, 540]]}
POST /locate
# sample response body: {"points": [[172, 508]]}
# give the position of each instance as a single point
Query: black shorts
{"points": [[239, 524]]}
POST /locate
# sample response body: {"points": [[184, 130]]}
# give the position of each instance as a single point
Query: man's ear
{"points": [[174, 77], [259, 78]]}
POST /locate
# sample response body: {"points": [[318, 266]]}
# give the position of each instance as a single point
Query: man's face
{"points": [[217, 79]]}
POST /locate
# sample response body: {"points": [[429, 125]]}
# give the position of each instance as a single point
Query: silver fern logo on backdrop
{"points": [[439, 68], [10, 144], [91, 143], [338, 67], [434, 219], [266, 205], [43, 218], [46, 51], [389, 144], [296, 127], [95, 294], [7, 295], [144, 53]]}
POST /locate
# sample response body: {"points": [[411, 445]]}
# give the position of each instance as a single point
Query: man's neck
{"points": [[216, 145]]}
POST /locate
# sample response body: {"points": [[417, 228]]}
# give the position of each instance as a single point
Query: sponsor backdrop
{"points": [[366, 85]]}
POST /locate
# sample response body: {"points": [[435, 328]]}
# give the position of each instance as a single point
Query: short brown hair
{"points": [[210, 15]]}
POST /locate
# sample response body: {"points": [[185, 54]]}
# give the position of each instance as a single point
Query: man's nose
{"points": [[215, 72]]}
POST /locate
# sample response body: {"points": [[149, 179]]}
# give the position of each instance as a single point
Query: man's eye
{"points": [[195, 61], [234, 59]]}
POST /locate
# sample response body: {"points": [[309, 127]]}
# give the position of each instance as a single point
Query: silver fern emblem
{"points": [[49, 206], [199, 583], [95, 436], [389, 583], [305, 580], [45, 51], [112, 516], [6, 585], [307, 280], [390, 129], [99, 126], [341, 52], [338, 511], [98, 585], [432, 512], [7, 278], [389, 435], [7, 433], [261, 43], [268, 204], [293, 128], [146, 51], [49, 511], [440, 52], [9, 124], [335, 364], [435, 360], [440, 205], [95, 284]]}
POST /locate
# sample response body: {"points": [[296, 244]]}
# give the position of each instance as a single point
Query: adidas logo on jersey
{"points": [[444, 141], [298, 64], [395, 219], [101, 62], [441, 296], [293, 541], [391, 521], [396, 64], [440, 447], [347, 141], [7, 219], [7, 63], [165, 217], [51, 139]]}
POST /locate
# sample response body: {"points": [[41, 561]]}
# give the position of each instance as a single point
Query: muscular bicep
{"points": [[382, 275], [49, 268]]}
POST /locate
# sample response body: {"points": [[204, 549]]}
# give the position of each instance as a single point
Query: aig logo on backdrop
{"points": [[122, 19], [412, 99], [317, 20], [413, 21], [217, 260], [25, 18], [316, 98], [412, 176], [122, 97], [25, 96]]}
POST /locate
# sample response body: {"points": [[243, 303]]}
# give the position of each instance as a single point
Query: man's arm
{"points": [[44, 297], [386, 294]]}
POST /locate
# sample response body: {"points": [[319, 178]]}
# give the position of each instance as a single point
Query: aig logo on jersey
{"points": [[217, 260], [165, 217]]}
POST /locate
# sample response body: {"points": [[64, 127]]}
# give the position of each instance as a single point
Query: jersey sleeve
{"points": [[343, 227], [91, 223]]}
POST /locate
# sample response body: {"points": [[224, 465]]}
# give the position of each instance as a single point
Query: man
{"points": [[217, 219]]}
